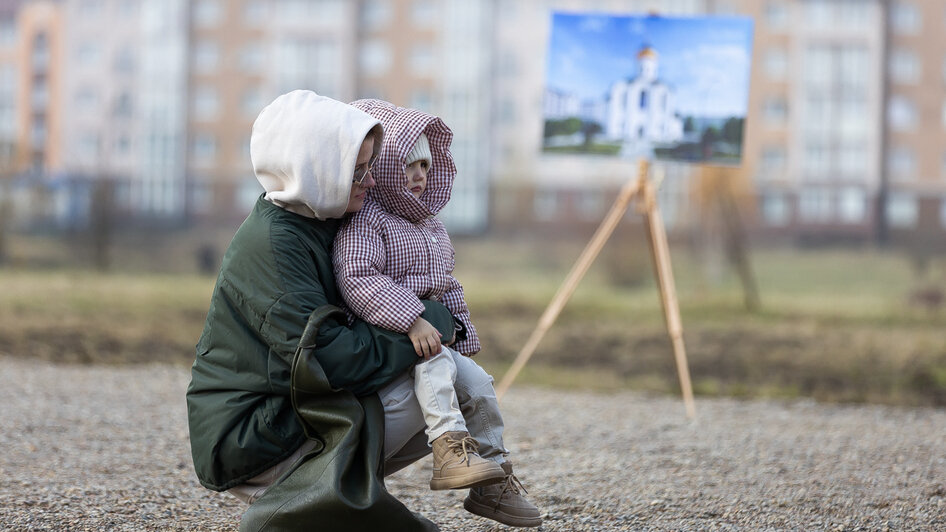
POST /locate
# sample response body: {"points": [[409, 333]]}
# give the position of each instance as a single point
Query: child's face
{"points": [[417, 177]]}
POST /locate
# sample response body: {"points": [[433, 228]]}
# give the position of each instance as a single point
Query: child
{"points": [[387, 257]]}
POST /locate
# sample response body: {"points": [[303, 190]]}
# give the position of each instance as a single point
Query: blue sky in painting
{"points": [[704, 59]]}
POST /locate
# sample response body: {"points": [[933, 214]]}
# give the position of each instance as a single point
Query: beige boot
{"points": [[457, 464], [503, 502]]}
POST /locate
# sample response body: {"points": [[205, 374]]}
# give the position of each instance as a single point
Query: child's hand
{"points": [[425, 337]]}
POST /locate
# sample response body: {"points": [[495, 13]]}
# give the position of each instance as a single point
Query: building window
{"points": [[122, 145], [88, 53], [855, 13], [904, 66], [901, 112], [776, 64], [818, 13], [90, 8], [852, 205], [545, 205], [375, 58], [89, 148], [128, 8], [252, 102], [7, 32], [331, 13], [201, 196], [123, 106], [206, 56], [423, 13], [376, 14], [901, 163], [125, 60], [206, 104], [422, 60], [814, 205], [589, 204], [774, 209], [776, 14], [905, 17], [251, 58], [254, 12], [421, 99], [773, 162], [817, 158], [902, 211], [308, 62], [86, 99], [207, 13], [775, 111], [853, 160], [204, 150]]}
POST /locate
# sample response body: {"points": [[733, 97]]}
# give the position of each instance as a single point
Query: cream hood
{"points": [[304, 148]]}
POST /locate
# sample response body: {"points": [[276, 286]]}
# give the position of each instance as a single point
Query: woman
{"points": [[297, 430]]}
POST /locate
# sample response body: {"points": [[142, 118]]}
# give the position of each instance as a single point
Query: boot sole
{"points": [[491, 513], [484, 478]]}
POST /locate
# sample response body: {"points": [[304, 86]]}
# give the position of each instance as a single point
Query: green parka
{"points": [[256, 394]]}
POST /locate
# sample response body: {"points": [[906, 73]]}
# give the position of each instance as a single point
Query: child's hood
{"points": [[402, 127], [304, 149]]}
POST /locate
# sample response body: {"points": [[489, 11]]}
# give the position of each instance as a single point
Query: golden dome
{"points": [[647, 53]]}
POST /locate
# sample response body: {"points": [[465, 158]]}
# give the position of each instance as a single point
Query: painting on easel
{"points": [[648, 87]]}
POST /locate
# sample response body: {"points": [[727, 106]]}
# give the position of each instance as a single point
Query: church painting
{"points": [[674, 88]]}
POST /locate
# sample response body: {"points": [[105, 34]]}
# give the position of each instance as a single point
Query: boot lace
{"points": [[512, 484], [463, 447]]}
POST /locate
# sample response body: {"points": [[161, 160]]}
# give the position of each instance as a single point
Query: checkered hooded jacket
{"points": [[394, 251]]}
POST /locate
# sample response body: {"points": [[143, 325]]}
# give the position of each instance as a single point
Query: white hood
{"points": [[304, 148]]}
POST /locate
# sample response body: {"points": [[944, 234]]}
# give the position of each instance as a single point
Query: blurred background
{"points": [[815, 268]]}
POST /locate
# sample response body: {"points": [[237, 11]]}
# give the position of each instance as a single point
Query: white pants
{"points": [[407, 435], [405, 431]]}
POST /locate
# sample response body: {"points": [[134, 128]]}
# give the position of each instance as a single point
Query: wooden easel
{"points": [[644, 191]]}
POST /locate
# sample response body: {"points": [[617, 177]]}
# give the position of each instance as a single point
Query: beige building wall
{"points": [[242, 54], [225, 94], [916, 153], [39, 114], [10, 72], [396, 52]]}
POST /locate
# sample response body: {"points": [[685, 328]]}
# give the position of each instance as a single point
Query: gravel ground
{"points": [[105, 448]]}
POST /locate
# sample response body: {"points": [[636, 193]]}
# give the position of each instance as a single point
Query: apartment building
{"points": [[9, 75], [39, 81], [437, 56], [241, 56], [914, 161], [843, 139]]}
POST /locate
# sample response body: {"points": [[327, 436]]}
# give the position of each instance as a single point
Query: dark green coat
{"points": [[276, 272]]}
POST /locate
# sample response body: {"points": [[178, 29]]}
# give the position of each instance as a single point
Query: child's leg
{"points": [[503, 502], [433, 385], [480, 407]]}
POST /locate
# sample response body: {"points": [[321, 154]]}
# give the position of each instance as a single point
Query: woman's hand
{"points": [[425, 337]]}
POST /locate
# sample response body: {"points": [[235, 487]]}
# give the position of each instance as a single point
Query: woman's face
{"points": [[356, 198]]}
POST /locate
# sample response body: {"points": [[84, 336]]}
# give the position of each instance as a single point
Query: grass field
{"points": [[834, 325]]}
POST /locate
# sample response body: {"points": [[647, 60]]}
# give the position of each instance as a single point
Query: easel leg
{"points": [[610, 222], [668, 292]]}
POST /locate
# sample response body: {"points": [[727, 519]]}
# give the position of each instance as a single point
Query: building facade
{"points": [[843, 139]]}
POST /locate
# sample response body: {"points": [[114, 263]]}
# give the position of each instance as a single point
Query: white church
{"points": [[641, 111]]}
